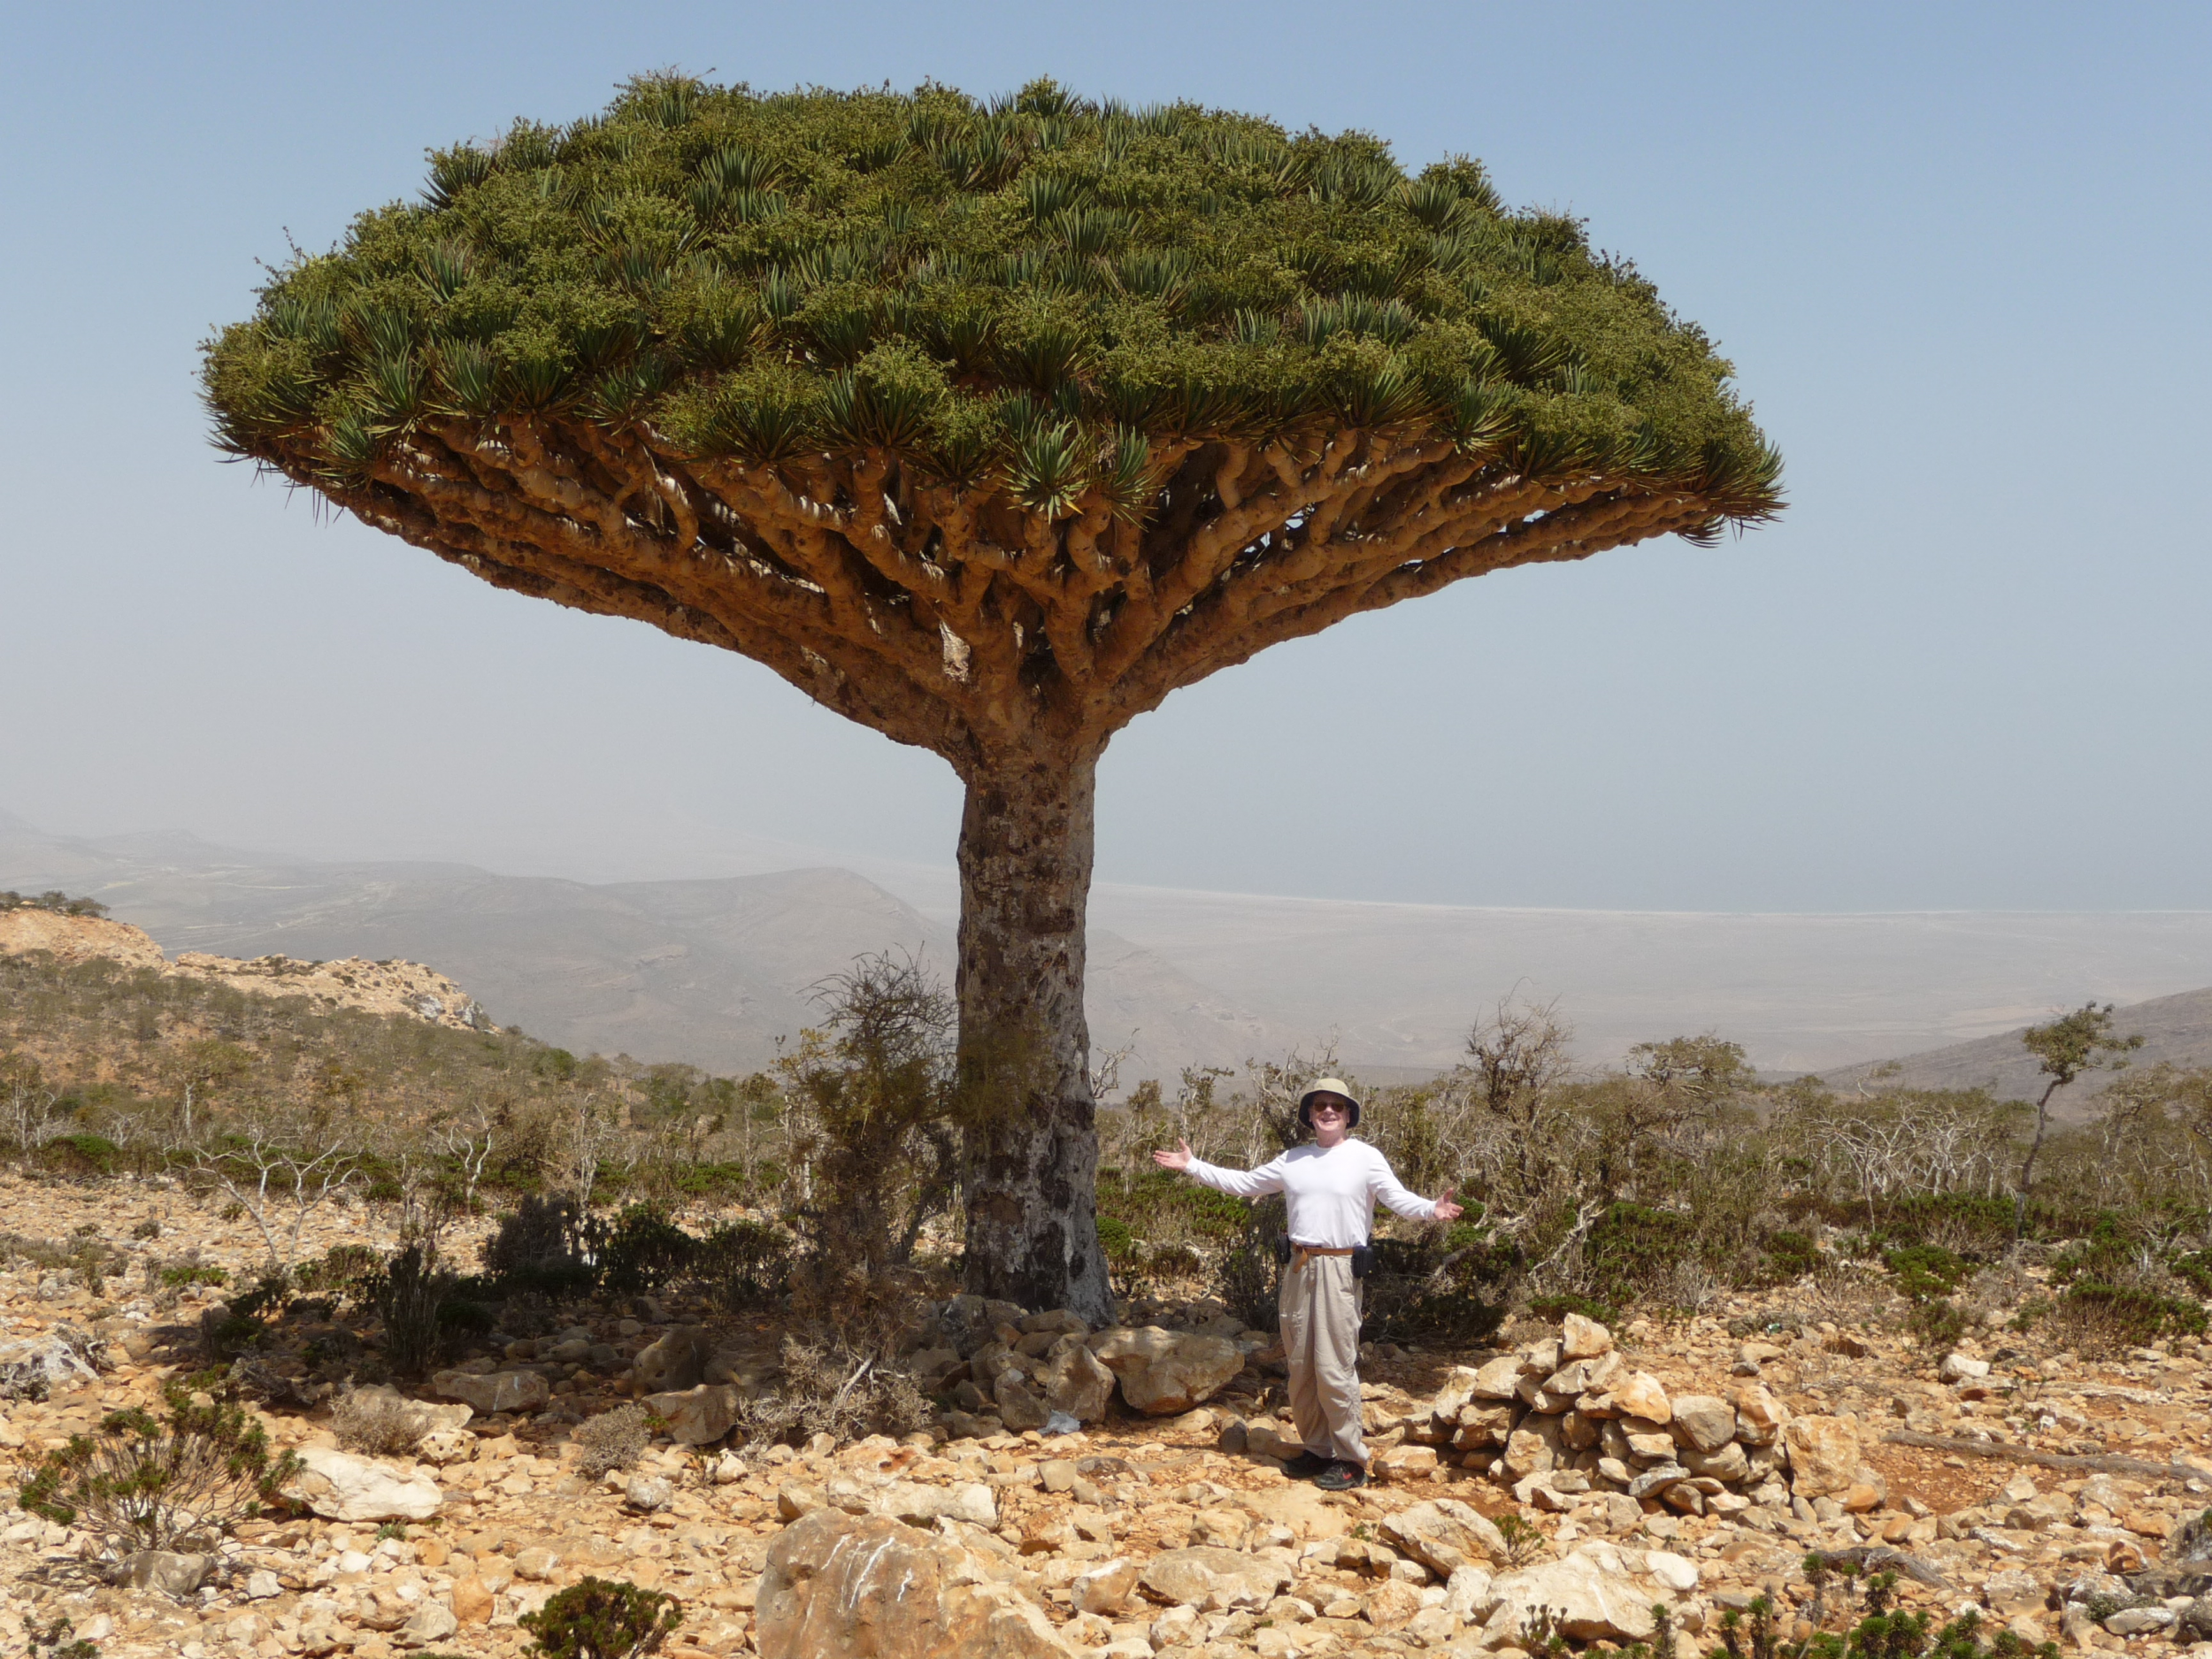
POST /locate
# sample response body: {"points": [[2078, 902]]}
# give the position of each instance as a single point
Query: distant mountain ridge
{"points": [[710, 971], [714, 969], [2175, 1030]]}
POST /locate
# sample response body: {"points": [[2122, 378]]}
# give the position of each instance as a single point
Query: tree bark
{"points": [[1031, 1161]]}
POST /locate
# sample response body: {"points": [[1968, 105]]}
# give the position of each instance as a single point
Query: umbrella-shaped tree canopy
{"points": [[988, 426]]}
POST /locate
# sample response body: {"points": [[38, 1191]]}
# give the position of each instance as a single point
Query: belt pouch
{"points": [[1362, 1260], [1282, 1249]]}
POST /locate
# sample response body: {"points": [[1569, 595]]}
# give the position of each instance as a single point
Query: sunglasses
{"points": [[1317, 1108]]}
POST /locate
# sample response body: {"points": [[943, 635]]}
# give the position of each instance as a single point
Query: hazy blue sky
{"points": [[1958, 253]]}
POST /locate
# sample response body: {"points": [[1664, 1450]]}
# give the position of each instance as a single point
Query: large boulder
{"points": [[1825, 1455], [340, 1486], [1075, 1380], [918, 1503], [678, 1361], [870, 1587], [1759, 1415], [496, 1391], [1498, 1378], [1445, 1535], [1165, 1373], [1703, 1423], [1190, 1577], [697, 1417], [1582, 1339], [1591, 1594], [49, 1363], [1638, 1394]]}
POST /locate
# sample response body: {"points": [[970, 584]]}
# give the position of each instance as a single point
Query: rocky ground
{"points": [[1691, 1464]]}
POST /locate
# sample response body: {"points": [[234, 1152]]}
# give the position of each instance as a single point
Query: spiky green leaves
{"points": [[722, 267]]}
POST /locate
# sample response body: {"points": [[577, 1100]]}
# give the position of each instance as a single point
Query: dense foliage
{"points": [[1026, 291]]}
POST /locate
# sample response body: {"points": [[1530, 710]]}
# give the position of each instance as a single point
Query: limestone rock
{"points": [[1703, 1423], [647, 1493], [1164, 1374], [1498, 1379], [1960, 1367], [870, 1587], [1639, 1395], [1759, 1415], [918, 1503], [1825, 1455], [675, 1362], [431, 1622], [1445, 1535], [1468, 1596], [1591, 1592], [499, 1391], [1075, 1379], [699, 1416], [1020, 1407], [1105, 1588], [340, 1486], [1582, 1339], [1189, 1577], [44, 1364], [167, 1571]]}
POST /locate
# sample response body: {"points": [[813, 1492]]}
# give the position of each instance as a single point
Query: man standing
{"points": [[1330, 1188]]}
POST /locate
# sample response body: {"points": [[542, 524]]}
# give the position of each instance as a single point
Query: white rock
{"points": [[499, 1391], [340, 1486], [1960, 1367]]}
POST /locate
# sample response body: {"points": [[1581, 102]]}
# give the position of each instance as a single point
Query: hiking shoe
{"points": [[1305, 1466], [1340, 1476]]}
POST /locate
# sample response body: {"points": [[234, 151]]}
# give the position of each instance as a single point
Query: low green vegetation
{"points": [[1660, 1186]]}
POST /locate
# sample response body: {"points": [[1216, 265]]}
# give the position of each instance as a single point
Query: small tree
{"points": [[142, 1481], [2064, 1049], [989, 425], [281, 1167]]}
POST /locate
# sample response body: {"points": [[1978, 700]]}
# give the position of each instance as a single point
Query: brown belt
{"points": [[1299, 1253]]}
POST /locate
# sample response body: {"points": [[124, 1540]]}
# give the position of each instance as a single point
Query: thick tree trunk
{"points": [[1031, 1152]]}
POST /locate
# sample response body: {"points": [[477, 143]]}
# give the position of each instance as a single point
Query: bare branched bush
{"points": [[613, 1439], [378, 1422], [828, 1389]]}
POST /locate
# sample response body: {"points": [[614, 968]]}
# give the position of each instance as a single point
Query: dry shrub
{"points": [[613, 1439], [829, 1388], [378, 1422]]}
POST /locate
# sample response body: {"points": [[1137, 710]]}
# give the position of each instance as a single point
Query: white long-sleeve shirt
{"points": [[1331, 1191]]}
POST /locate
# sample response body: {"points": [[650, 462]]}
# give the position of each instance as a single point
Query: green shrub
{"points": [[1117, 1240], [641, 1251], [742, 1265], [602, 1619], [1787, 1258], [186, 1273], [146, 1482], [2131, 1313], [409, 1293], [540, 1249], [1939, 1322], [1634, 1247], [1926, 1270], [80, 1155]]}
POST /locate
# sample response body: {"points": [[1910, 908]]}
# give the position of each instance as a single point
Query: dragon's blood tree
{"points": [[988, 426]]}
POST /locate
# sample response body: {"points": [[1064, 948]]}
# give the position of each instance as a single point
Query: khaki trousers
{"points": [[1320, 1309]]}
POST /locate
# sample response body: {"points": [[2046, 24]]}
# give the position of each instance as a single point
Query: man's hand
{"points": [[1445, 1210], [1179, 1159]]}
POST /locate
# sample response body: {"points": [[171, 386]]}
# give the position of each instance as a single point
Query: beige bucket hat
{"points": [[1326, 1085]]}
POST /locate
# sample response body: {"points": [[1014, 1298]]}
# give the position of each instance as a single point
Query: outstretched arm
{"points": [[1237, 1183], [1390, 1191]]}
